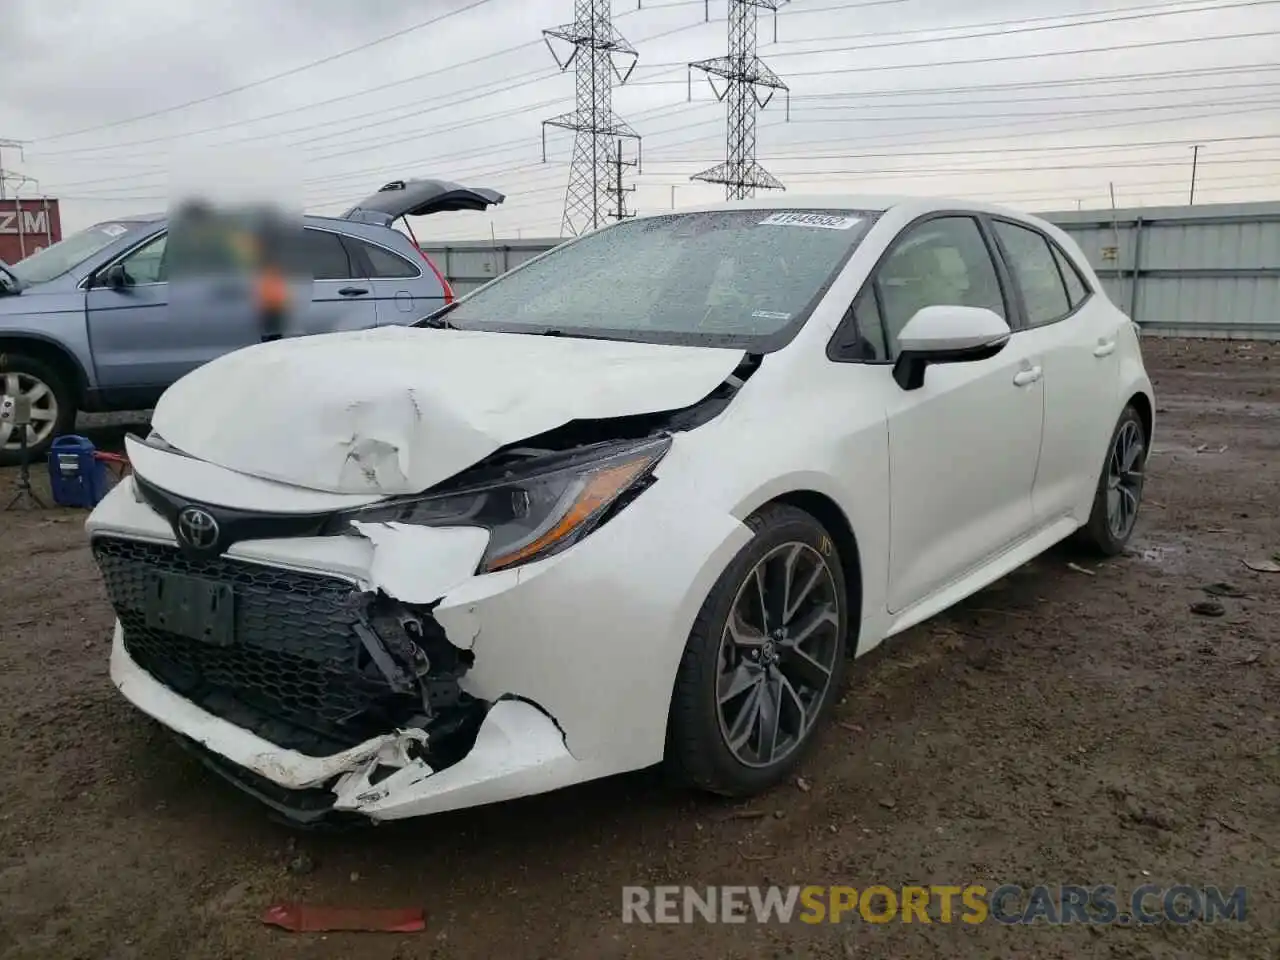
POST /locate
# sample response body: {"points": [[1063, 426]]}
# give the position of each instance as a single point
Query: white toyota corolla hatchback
{"points": [[638, 500]]}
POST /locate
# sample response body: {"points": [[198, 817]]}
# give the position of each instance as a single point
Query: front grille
{"points": [[296, 675]]}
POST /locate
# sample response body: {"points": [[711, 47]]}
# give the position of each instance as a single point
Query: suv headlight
{"points": [[531, 515]]}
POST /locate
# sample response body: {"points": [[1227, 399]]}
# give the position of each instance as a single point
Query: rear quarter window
{"points": [[385, 265]]}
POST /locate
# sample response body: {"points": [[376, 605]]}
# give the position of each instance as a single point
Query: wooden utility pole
{"points": [[1195, 162]]}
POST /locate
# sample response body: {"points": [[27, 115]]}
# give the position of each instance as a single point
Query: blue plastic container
{"points": [[76, 477]]}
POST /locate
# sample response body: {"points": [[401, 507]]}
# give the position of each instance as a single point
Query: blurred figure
{"points": [[272, 281], [235, 259]]}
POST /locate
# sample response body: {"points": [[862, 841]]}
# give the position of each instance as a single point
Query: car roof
{"points": [[912, 206]]}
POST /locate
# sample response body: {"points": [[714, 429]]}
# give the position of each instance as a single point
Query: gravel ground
{"points": [[1060, 727]]}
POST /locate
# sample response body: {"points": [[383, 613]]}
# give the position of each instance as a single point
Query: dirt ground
{"points": [[1060, 727]]}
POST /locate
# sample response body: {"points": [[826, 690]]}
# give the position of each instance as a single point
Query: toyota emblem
{"points": [[197, 528]]}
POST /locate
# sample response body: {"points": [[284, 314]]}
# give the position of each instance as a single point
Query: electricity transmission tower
{"points": [[9, 176], [749, 85], [599, 55]]}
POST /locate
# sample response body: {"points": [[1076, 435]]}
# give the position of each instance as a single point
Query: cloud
{"points": [[903, 96]]}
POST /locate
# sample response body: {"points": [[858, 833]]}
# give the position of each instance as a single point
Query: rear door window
{"points": [[1036, 271], [1077, 290], [383, 264], [326, 256]]}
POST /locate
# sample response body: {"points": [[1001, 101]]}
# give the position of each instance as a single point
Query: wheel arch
{"points": [[1141, 402], [827, 512], [51, 352]]}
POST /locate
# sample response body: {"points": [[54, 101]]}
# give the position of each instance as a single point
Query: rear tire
{"points": [[764, 660], [1119, 493], [53, 404]]}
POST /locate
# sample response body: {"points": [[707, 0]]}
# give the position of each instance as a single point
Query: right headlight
{"points": [[532, 515]]}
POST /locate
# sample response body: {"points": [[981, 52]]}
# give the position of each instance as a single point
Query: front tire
{"points": [[764, 660], [1119, 493], [53, 407]]}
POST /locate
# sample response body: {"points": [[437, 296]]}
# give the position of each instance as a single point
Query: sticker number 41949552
{"points": [[824, 221]]}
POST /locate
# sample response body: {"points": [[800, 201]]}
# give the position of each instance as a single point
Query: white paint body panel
{"points": [[946, 488]]}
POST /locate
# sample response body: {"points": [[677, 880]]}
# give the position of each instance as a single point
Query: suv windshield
{"points": [[733, 278], [55, 260]]}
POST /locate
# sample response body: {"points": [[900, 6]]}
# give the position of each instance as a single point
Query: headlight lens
{"points": [[529, 516]]}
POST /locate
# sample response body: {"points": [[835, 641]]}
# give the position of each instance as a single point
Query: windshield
{"points": [[55, 260], [734, 278]]}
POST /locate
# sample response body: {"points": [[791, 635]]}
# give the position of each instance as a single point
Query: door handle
{"points": [[1104, 348], [352, 292], [1025, 377]]}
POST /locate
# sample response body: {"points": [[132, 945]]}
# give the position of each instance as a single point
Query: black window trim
{"points": [[1053, 245], [90, 279], [1008, 290], [354, 263], [1062, 255]]}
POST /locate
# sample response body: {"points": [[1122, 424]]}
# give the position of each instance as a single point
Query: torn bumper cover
{"points": [[373, 672], [518, 750], [312, 693]]}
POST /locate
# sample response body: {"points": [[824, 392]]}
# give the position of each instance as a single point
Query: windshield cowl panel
{"points": [[745, 279]]}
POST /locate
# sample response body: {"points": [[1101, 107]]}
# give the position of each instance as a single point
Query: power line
{"points": [[505, 84], [800, 104], [983, 61], [915, 91], [1007, 27], [293, 71], [492, 149], [896, 145], [1100, 112], [981, 171]]}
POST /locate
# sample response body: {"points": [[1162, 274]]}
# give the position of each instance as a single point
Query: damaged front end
{"points": [[307, 662], [325, 661]]}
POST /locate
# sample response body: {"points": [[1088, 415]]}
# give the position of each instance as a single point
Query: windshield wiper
{"points": [[437, 321]]}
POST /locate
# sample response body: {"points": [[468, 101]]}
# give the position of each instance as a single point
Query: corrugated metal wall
{"points": [[1190, 271], [1208, 271]]}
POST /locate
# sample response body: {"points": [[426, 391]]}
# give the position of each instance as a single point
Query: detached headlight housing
{"points": [[530, 515]]}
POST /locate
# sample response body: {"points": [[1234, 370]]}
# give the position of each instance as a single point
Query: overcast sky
{"points": [[978, 98]]}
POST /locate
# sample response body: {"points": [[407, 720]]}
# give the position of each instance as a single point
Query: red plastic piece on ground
{"points": [[303, 919]]}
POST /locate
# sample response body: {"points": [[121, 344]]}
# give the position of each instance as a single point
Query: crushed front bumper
{"points": [[571, 659], [518, 751]]}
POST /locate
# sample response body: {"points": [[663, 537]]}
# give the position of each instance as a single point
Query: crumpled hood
{"points": [[397, 410]]}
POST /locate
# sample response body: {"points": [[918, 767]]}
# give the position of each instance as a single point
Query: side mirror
{"points": [[946, 334], [114, 277]]}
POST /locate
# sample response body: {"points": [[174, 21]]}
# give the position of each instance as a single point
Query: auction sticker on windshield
{"points": [[825, 221]]}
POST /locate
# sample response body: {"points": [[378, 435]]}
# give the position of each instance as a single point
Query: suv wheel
{"points": [[53, 409]]}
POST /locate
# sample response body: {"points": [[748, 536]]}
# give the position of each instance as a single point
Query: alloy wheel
{"points": [[44, 409], [1124, 480], [777, 654]]}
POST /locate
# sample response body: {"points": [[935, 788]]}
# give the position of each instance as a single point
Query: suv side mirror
{"points": [[114, 277], [946, 334]]}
